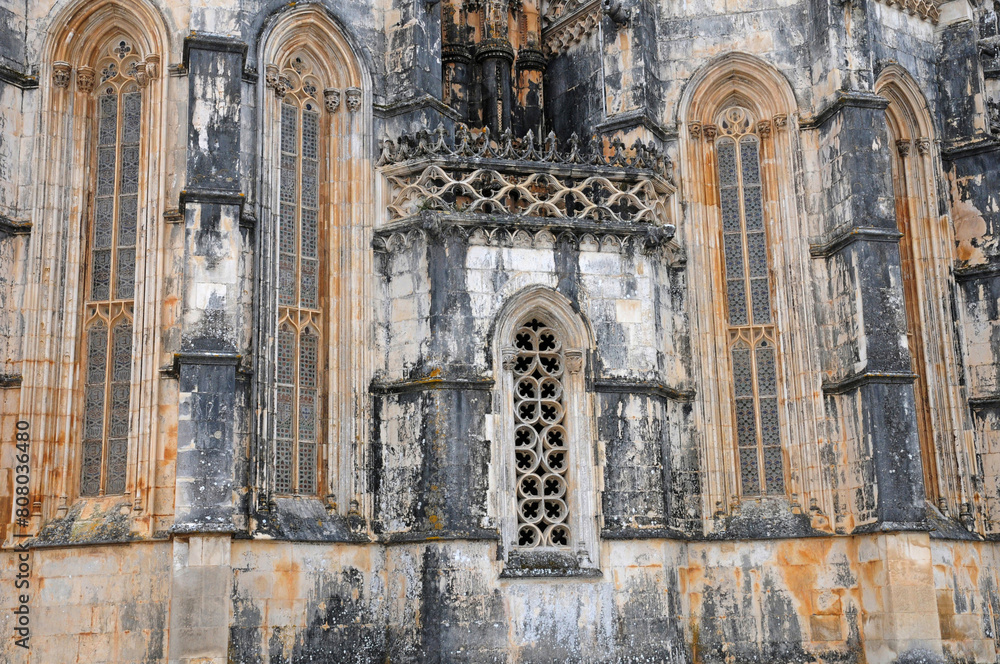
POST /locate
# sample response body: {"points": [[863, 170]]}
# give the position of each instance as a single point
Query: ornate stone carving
{"points": [[61, 74], [141, 77], [574, 361], [282, 86], [153, 66], [271, 76], [710, 131], [923, 146], [331, 97], [695, 129], [925, 9], [903, 147], [780, 121], [353, 96], [764, 128], [568, 23], [509, 356], [85, 78]]}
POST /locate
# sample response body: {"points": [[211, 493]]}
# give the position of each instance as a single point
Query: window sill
{"points": [[547, 565]]}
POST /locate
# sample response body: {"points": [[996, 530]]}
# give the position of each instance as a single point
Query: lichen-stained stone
{"points": [[481, 331]]}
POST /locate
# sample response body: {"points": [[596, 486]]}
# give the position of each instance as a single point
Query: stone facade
{"points": [[500, 331]]}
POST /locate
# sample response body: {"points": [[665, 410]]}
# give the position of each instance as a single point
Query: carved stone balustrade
{"points": [[472, 174]]}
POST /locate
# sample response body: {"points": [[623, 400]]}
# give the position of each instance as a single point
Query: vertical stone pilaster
{"points": [[211, 334], [870, 364], [200, 600]]}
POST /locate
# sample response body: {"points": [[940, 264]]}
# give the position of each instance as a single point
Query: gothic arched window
{"points": [[751, 335], [541, 440], [545, 464], [298, 391], [111, 265]]}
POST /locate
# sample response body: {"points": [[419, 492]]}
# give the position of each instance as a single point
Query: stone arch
{"points": [[735, 77], [346, 217], [52, 388], [546, 305], [926, 251], [749, 83]]}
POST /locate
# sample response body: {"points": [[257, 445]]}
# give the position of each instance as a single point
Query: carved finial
{"points": [[61, 74], [331, 97], [85, 78], [353, 99]]}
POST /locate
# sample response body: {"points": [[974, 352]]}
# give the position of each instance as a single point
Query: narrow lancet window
{"points": [[300, 317], [541, 440], [111, 261], [752, 335]]}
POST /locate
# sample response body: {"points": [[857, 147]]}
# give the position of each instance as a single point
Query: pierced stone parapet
{"points": [[925, 9], [472, 174]]}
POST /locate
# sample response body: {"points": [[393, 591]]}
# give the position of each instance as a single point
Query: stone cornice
{"points": [[866, 378], [14, 226], [10, 381], [970, 273], [528, 232], [839, 241], [429, 384], [420, 103], [218, 43], [844, 99], [646, 388], [978, 146], [17, 79]]}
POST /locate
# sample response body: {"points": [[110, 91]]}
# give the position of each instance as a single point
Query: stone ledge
{"points": [[864, 378], [839, 241]]}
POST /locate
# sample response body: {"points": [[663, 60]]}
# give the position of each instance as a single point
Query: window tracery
{"points": [[300, 315], [752, 336], [541, 441], [109, 302]]}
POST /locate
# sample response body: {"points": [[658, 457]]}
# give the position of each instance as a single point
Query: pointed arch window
{"points": [[751, 334], [111, 267], [547, 506], [541, 440], [299, 394]]}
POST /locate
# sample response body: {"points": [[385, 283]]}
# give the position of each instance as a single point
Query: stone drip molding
{"points": [[604, 182], [513, 232]]}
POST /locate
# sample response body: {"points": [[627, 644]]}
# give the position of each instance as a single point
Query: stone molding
{"points": [[867, 377], [218, 43], [18, 79], [852, 99], [839, 241], [488, 230], [646, 388], [12, 226]]}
